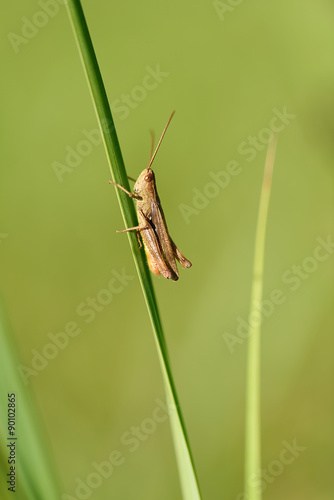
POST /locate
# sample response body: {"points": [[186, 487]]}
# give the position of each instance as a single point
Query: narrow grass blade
{"points": [[253, 439], [187, 473], [34, 471]]}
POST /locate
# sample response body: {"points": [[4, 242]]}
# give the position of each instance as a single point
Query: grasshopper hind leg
{"points": [[181, 258]]}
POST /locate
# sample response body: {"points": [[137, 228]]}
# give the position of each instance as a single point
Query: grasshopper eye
{"points": [[149, 176]]}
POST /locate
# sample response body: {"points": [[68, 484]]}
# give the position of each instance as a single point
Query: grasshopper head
{"points": [[145, 182]]}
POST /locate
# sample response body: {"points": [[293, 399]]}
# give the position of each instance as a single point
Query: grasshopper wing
{"points": [[170, 250], [160, 227], [155, 258]]}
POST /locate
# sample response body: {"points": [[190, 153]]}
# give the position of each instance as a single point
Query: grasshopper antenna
{"points": [[160, 140], [152, 144]]}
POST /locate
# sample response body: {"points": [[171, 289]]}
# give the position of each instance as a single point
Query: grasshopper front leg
{"points": [[135, 228], [134, 196]]}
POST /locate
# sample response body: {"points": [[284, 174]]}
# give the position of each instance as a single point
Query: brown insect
{"points": [[160, 249]]}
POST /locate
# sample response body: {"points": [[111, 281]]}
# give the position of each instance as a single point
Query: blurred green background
{"points": [[228, 68]]}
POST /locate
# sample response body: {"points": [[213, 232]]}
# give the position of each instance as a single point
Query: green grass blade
{"points": [[253, 439], [187, 473], [35, 475]]}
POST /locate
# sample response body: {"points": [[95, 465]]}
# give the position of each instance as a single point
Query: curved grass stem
{"points": [[253, 438], [186, 468]]}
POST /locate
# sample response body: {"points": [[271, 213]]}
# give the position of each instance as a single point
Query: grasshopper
{"points": [[161, 251]]}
